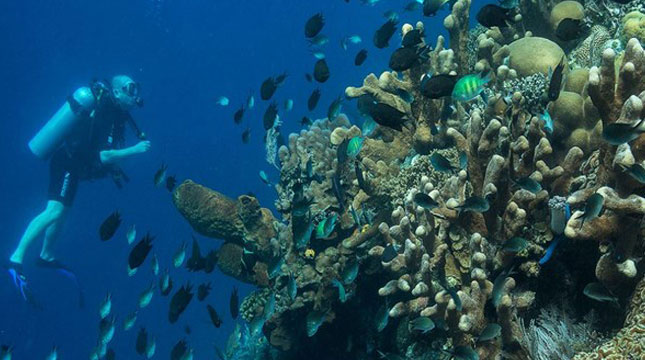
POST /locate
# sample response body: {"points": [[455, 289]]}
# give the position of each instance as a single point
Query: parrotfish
{"points": [[342, 295], [637, 171], [314, 320], [354, 146], [548, 122], [515, 245], [326, 227], [528, 184], [475, 204], [469, 87], [425, 201], [598, 292], [350, 272]]}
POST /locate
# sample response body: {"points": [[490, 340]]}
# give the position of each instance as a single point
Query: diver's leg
{"points": [[51, 235], [52, 213]]}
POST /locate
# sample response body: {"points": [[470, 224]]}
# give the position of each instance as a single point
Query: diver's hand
{"points": [[142, 147]]}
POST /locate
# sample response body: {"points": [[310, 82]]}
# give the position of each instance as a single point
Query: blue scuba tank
{"points": [[59, 126]]}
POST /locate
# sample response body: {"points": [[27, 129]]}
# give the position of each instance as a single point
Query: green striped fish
{"points": [[469, 87]]}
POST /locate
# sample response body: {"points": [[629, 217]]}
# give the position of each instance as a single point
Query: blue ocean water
{"points": [[185, 54]]}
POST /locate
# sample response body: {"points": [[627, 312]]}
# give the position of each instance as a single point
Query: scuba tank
{"points": [[59, 126]]}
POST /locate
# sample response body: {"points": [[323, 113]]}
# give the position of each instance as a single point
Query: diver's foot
{"points": [[20, 281], [51, 264]]}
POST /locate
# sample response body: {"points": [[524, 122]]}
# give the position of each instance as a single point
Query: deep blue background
{"points": [[184, 54]]}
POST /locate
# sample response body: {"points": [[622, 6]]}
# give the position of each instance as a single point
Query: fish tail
{"points": [[486, 77]]}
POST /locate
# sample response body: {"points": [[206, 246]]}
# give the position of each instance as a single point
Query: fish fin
{"points": [[486, 76]]}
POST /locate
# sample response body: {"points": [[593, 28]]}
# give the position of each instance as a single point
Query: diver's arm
{"points": [[109, 157]]}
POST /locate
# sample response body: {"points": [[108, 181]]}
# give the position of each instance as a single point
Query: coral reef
{"points": [[465, 220]]}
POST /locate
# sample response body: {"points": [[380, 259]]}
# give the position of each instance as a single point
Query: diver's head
{"points": [[126, 92]]}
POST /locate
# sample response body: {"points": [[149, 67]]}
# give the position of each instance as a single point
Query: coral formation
{"points": [[461, 219]]}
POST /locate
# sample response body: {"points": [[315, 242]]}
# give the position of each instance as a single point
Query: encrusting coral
{"points": [[393, 233]]}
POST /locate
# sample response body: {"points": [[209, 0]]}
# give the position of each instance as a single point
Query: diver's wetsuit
{"points": [[79, 158]]}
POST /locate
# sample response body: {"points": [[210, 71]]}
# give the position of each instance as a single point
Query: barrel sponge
{"points": [[531, 55], [566, 10]]}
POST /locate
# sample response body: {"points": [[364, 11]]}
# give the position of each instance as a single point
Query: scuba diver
{"points": [[84, 140]]}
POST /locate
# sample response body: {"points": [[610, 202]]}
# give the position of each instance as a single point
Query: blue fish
{"points": [[548, 122]]}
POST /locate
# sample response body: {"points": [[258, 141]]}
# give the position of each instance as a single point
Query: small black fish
{"points": [[165, 285], [279, 80], [270, 116], [425, 201], [381, 113], [430, 7], [142, 341], [403, 59], [438, 86], [196, 262], [305, 121], [569, 29], [383, 35], [110, 355], [360, 57], [598, 292], [270, 85], [246, 135], [171, 182], [140, 252], [308, 77], [341, 152], [321, 71], [109, 226], [160, 175], [314, 25], [203, 290], [234, 304], [492, 15], [412, 38], [334, 108], [179, 302], [556, 81], [620, 133], [362, 183], [312, 102], [239, 114], [389, 254], [338, 191], [179, 351], [210, 261], [215, 319]]}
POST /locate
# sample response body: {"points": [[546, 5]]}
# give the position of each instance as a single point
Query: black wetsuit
{"points": [[79, 158]]}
